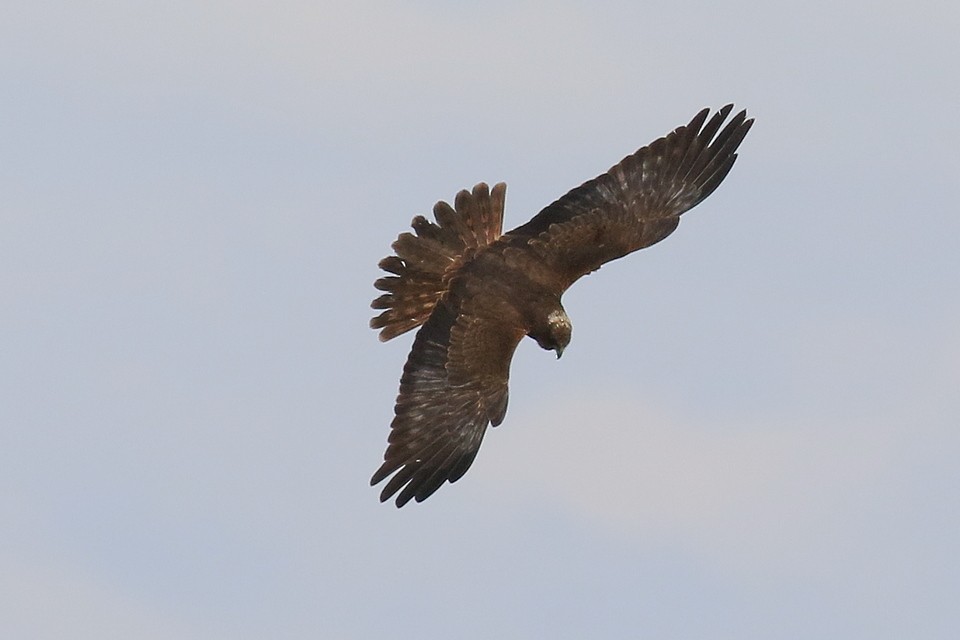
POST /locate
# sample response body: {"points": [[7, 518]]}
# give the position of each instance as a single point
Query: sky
{"points": [[753, 434]]}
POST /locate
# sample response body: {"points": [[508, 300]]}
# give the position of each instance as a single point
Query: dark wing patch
{"points": [[454, 384], [638, 202], [424, 259]]}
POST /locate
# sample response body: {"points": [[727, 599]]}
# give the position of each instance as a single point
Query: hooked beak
{"points": [[559, 352]]}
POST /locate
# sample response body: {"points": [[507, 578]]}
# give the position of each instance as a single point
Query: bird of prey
{"points": [[477, 292]]}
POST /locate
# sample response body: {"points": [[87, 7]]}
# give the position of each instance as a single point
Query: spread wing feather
{"points": [[454, 385], [638, 202]]}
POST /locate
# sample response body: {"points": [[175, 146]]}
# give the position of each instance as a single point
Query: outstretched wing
{"points": [[454, 384], [638, 202]]}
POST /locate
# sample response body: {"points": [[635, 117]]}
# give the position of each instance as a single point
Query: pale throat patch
{"points": [[558, 317]]}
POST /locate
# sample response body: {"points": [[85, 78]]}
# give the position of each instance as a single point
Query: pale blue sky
{"points": [[754, 433]]}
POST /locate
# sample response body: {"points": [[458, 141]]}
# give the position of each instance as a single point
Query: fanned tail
{"points": [[423, 261]]}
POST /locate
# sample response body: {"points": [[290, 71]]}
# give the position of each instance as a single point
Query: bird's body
{"points": [[477, 293]]}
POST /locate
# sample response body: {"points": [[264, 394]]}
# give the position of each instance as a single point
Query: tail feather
{"points": [[424, 259]]}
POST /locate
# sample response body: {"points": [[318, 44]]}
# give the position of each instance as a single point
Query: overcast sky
{"points": [[754, 433]]}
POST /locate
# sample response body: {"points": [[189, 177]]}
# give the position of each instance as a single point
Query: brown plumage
{"points": [[477, 293]]}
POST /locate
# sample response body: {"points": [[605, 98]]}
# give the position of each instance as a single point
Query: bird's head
{"points": [[555, 334]]}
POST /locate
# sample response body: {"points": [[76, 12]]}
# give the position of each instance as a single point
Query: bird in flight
{"points": [[477, 291]]}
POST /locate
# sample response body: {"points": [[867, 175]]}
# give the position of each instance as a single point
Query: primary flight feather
{"points": [[477, 291]]}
